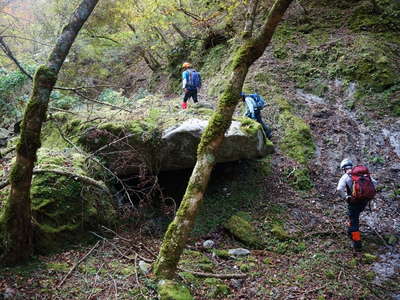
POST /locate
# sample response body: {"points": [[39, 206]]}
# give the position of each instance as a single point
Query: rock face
{"points": [[161, 140], [181, 144]]}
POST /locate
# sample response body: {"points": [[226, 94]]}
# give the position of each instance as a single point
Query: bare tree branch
{"points": [[10, 55]]}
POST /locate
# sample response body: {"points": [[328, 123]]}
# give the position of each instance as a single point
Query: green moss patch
{"points": [[170, 290], [297, 141], [244, 231], [216, 288], [63, 207]]}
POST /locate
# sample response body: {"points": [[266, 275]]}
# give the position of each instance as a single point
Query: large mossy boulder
{"points": [[65, 207], [159, 135]]}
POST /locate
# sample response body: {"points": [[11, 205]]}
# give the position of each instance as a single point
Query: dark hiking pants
{"points": [[265, 127], [354, 211], [190, 94]]}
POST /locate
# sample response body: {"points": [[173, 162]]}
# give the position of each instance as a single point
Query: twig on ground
{"points": [[102, 103], [115, 286], [315, 289], [220, 276], [119, 251], [77, 264], [95, 281], [378, 234]]}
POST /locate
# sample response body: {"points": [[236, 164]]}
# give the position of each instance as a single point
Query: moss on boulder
{"points": [[243, 230], [216, 288], [63, 207], [163, 139], [297, 141], [170, 290]]}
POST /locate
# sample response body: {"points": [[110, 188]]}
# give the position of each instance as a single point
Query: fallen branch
{"points": [[220, 276], [119, 251], [99, 102], [77, 264], [314, 290], [382, 239], [138, 248], [2, 154]]}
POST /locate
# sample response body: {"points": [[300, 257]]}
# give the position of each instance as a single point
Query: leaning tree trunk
{"points": [[180, 228], [16, 227]]}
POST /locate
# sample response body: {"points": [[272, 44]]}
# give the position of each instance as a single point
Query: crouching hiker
{"points": [[254, 104], [356, 187], [191, 83]]}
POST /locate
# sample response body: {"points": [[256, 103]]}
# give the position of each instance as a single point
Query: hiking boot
{"points": [[184, 105], [357, 245]]}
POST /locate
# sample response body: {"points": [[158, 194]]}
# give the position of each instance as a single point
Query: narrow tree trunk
{"points": [[147, 56], [250, 19], [180, 228], [179, 31], [15, 223], [162, 36]]}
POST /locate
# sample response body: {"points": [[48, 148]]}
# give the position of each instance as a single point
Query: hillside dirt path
{"points": [[340, 133]]}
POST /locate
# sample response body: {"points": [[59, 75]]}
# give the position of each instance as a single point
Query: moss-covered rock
{"points": [[63, 207], [170, 290], [159, 139], [221, 253], [279, 232], [369, 258], [216, 288], [244, 231]]}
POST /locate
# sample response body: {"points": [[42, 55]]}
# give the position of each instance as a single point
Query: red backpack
{"points": [[363, 188]]}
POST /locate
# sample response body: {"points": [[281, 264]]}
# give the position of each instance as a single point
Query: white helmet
{"points": [[346, 163]]}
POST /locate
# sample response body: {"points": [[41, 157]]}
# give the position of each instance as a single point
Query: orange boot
{"points": [[356, 238]]}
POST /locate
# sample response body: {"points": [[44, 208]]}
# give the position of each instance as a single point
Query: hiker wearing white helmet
{"points": [[356, 187]]}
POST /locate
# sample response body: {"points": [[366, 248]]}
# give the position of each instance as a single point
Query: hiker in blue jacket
{"points": [[191, 83], [253, 111]]}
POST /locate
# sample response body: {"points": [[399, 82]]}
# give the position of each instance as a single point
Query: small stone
{"points": [[144, 267], [237, 283], [239, 252], [208, 244]]}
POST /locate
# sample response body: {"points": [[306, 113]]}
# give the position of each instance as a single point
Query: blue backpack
{"points": [[259, 100], [194, 79]]}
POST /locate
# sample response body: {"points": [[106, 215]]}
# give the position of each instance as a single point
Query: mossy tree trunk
{"points": [[16, 228], [180, 228]]}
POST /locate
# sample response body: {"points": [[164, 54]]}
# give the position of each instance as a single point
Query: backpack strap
{"points": [[349, 188]]}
